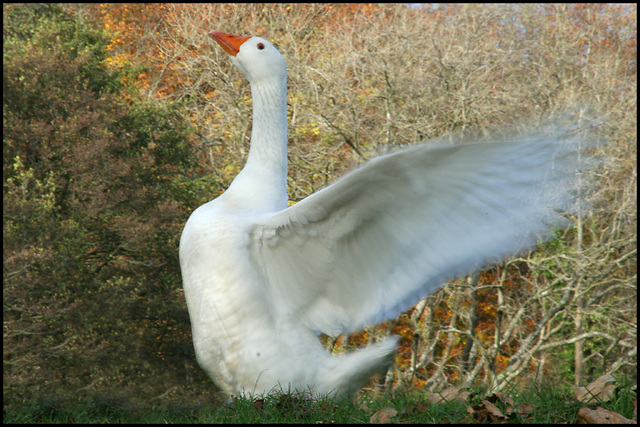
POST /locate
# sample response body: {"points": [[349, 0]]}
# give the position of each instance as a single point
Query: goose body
{"points": [[262, 279]]}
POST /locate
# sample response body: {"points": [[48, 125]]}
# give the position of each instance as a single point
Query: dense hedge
{"points": [[94, 202]]}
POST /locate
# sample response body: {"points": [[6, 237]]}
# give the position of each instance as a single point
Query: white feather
{"points": [[375, 242]]}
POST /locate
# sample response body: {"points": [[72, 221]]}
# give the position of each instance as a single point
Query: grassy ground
{"points": [[537, 405]]}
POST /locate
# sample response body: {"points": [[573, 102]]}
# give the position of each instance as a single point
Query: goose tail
{"points": [[345, 374]]}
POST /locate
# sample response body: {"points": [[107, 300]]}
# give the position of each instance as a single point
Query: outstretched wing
{"points": [[391, 232]]}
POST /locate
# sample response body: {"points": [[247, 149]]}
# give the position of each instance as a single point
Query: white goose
{"points": [[262, 279]]}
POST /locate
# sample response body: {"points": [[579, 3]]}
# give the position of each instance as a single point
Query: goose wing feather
{"points": [[391, 232]]}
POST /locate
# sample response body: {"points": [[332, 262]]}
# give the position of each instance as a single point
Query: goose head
{"points": [[255, 57]]}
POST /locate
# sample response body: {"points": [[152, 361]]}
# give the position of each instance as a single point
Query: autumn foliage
{"points": [[120, 119]]}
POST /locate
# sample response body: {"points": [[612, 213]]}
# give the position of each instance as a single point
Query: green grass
{"points": [[550, 405]]}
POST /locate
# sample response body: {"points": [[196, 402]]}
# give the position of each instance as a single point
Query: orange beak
{"points": [[230, 43]]}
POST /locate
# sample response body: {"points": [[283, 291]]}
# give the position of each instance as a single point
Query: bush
{"points": [[94, 203]]}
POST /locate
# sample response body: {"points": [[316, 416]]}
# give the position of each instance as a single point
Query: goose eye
{"points": [[260, 46]]}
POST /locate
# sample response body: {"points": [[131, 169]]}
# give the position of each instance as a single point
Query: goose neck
{"points": [[264, 178], [269, 130]]}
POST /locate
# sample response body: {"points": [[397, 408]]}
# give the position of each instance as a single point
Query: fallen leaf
{"points": [[505, 399], [602, 416], [383, 416], [478, 412], [525, 408], [600, 390], [415, 408], [449, 394], [486, 411], [493, 411], [361, 406]]}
